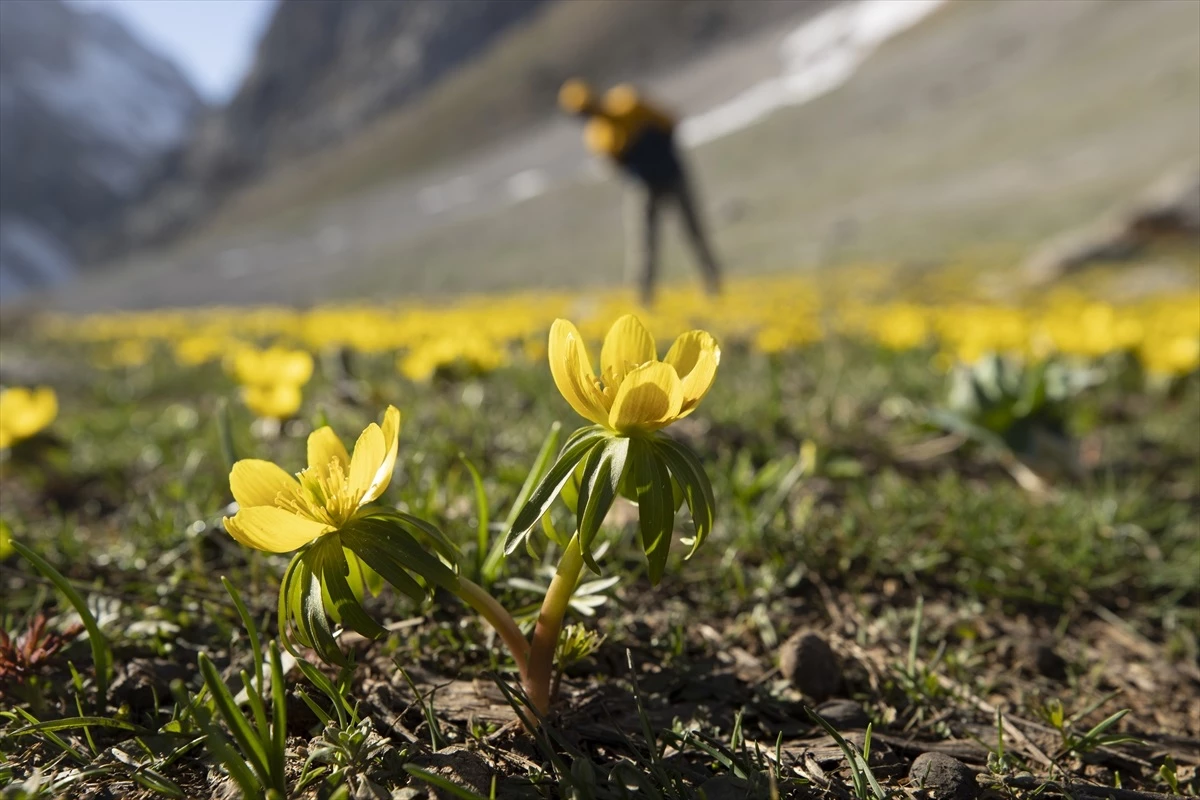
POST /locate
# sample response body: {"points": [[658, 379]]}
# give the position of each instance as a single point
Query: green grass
{"points": [[927, 576]]}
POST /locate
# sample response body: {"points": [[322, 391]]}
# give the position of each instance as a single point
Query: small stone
{"points": [[464, 767], [843, 714], [808, 662], [1049, 663], [1040, 657], [946, 778]]}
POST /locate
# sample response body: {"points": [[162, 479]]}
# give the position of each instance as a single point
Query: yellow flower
{"points": [[271, 379], [277, 401], [636, 393], [279, 513], [272, 366], [24, 412]]}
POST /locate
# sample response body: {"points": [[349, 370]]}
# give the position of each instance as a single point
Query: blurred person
{"points": [[640, 139]]}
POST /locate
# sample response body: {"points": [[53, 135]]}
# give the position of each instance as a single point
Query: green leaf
{"points": [[278, 717], [388, 542], [650, 483], [313, 620], [417, 526], [540, 465], [234, 764], [331, 568], [248, 624], [319, 680], [102, 660], [245, 736], [602, 473], [257, 707], [481, 512], [576, 448], [685, 467], [289, 603], [81, 722]]}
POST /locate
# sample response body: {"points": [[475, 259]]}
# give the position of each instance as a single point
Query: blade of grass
{"points": [[102, 660]]}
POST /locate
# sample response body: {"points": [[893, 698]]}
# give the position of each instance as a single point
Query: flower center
{"points": [[324, 496]]}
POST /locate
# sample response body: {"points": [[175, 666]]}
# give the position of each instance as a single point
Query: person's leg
{"points": [[695, 230], [652, 200]]}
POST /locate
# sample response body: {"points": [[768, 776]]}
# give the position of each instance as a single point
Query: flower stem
{"points": [[490, 609], [549, 626]]}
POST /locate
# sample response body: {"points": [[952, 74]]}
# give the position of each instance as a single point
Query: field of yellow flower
{"points": [[966, 518]]}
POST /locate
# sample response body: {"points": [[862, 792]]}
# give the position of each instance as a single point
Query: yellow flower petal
{"points": [[649, 398], [627, 345], [45, 408], [273, 529], [391, 438], [275, 401], [369, 451], [24, 412], [695, 357], [292, 366], [324, 446], [257, 483], [572, 371]]}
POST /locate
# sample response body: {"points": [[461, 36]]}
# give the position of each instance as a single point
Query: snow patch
{"points": [[115, 96], [817, 57], [527, 184]]}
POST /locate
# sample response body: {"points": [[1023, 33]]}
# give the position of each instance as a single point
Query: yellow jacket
{"points": [[620, 120]]}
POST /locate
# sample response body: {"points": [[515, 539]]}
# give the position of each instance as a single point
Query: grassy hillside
{"points": [[510, 87], [986, 128], [971, 137]]}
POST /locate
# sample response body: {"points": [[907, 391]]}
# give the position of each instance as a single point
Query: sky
{"points": [[212, 41]]}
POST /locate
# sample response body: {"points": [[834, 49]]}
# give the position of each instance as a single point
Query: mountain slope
{"points": [[86, 114], [323, 70], [349, 92]]}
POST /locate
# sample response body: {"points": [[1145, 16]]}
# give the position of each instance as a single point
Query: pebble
{"points": [[946, 778], [1047, 662], [808, 662], [843, 714]]}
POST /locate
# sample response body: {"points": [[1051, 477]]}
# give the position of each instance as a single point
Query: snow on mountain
{"points": [[87, 114]]}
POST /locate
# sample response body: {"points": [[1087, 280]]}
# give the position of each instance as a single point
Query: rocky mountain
{"points": [[323, 70], [87, 114], [347, 72]]}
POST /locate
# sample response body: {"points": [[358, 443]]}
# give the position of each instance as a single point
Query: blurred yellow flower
{"points": [[278, 513], [129, 353], [1176, 356], [272, 366], [195, 350], [25, 412], [275, 401], [636, 393], [471, 351], [271, 379]]}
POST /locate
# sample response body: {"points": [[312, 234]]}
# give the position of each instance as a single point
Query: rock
{"points": [[465, 768], [1041, 658], [1167, 211], [1049, 663], [946, 778], [808, 662], [143, 682], [843, 714]]}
